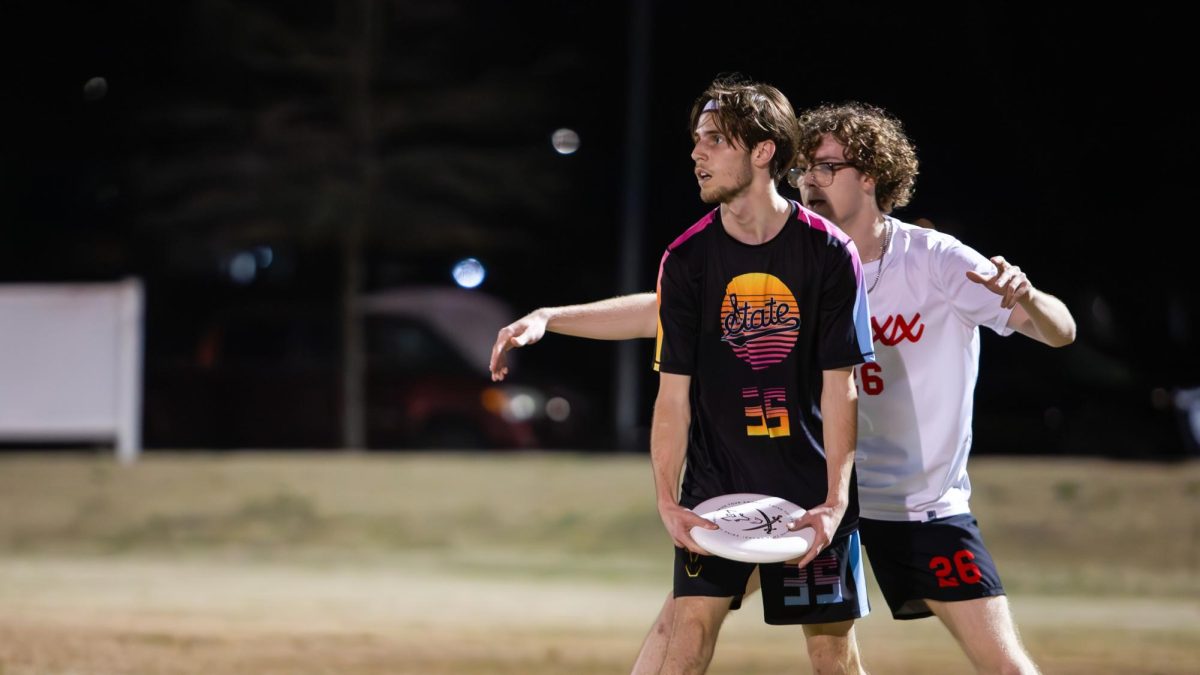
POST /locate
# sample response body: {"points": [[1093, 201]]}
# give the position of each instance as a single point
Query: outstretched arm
{"points": [[1035, 314], [620, 318]]}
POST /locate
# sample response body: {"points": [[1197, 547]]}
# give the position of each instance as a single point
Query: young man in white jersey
{"points": [[928, 294]]}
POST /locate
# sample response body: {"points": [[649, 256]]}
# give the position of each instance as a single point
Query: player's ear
{"points": [[868, 182], [763, 153]]}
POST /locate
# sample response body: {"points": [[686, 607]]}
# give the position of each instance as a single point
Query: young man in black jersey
{"points": [[762, 317]]}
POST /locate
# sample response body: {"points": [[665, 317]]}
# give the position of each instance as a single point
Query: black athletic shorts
{"points": [[941, 559], [832, 588]]}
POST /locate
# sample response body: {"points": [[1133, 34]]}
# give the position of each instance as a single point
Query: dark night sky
{"points": [[1054, 137]]}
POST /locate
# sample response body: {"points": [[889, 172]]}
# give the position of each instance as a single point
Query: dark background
{"points": [[416, 134]]}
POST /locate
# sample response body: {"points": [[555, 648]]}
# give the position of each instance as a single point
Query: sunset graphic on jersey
{"points": [[759, 320]]}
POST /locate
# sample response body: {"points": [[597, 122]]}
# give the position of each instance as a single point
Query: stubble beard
{"points": [[725, 194]]}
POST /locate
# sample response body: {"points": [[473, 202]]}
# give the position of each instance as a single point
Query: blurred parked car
{"points": [[270, 377]]}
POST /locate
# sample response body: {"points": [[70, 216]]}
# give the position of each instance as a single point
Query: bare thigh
{"points": [[985, 629]]}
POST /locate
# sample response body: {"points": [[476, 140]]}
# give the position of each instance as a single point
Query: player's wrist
{"points": [[837, 505], [1029, 299]]}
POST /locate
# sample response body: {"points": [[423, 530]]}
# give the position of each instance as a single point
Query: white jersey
{"points": [[915, 402]]}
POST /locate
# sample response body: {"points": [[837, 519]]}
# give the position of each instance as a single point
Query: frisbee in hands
{"points": [[752, 528]]}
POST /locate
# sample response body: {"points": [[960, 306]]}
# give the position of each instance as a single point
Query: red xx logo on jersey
{"points": [[896, 329]]}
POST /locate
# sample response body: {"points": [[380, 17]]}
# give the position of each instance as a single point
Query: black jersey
{"points": [[754, 326]]}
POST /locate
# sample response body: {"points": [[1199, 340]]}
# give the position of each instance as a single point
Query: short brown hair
{"points": [[875, 144], [749, 113]]}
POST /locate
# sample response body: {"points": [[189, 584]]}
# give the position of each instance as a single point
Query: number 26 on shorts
{"points": [[967, 571]]}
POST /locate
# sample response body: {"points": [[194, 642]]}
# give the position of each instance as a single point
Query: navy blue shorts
{"points": [[942, 559], [831, 589]]}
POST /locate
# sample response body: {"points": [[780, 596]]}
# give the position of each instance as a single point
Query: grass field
{"points": [[531, 564]]}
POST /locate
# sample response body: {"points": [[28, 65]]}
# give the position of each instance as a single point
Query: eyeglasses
{"points": [[822, 173]]}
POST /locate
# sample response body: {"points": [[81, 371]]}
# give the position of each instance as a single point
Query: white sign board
{"points": [[71, 363]]}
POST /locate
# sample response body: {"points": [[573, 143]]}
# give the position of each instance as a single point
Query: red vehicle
{"points": [[270, 377]]}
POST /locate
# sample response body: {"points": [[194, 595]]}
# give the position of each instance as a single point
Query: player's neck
{"points": [[756, 215], [867, 228]]}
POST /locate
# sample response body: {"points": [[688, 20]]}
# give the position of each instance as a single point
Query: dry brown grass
{"points": [[408, 564]]}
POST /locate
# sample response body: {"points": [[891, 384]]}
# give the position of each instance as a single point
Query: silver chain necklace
{"points": [[887, 240]]}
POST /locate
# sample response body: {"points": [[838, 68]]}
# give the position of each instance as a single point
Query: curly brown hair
{"points": [[875, 143], [749, 113]]}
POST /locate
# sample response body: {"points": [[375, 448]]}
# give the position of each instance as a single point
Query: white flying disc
{"points": [[753, 528]]}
